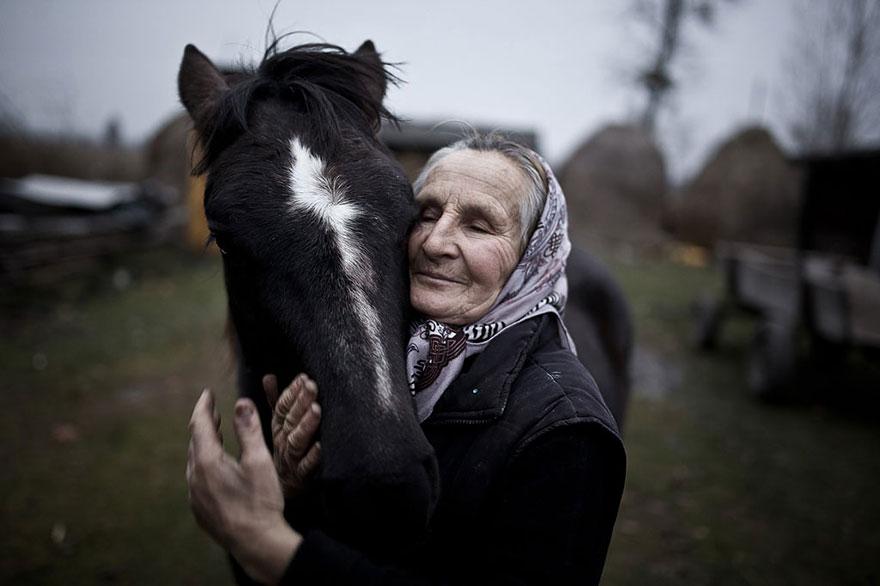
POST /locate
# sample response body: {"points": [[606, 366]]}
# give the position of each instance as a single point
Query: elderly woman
{"points": [[531, 462]]}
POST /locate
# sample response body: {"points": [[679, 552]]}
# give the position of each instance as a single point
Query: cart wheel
{"points": [[772, 361], [707, 322]]}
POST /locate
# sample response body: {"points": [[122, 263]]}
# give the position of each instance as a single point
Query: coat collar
{"points": [[479, 394]]}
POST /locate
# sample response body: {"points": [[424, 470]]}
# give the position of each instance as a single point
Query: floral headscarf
{"points": [[437, 351]]}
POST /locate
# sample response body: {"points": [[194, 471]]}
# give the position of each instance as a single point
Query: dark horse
{"points": [[600, 323], [311, 213]]}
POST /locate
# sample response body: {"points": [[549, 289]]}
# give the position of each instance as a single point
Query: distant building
{"points": [[413, 142], [171, 149]]}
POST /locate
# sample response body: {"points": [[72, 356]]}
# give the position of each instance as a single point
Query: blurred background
{"points": [[722, 157]]}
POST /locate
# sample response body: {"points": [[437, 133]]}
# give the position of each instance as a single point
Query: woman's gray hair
{"points": [[524, 158]]}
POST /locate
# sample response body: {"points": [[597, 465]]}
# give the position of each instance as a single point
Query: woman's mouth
{"points": [[433, 276]]}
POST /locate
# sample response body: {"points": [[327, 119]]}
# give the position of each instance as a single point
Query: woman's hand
{"points": [[239, 503], [295, 419]]}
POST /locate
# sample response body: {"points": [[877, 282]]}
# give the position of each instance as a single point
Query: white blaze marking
{"points": [[314, 192]]}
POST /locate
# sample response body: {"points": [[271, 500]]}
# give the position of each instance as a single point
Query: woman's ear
{"points": [[200, 85]]}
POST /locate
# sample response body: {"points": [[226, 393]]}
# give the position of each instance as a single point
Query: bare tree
{"points": [[667, 19], [834, 87]]}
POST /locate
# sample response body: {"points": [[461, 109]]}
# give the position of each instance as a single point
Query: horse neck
{"points": [[355, 356], [359, 362]]}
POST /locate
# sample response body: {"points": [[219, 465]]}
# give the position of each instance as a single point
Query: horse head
{"points": [[311, 214]]}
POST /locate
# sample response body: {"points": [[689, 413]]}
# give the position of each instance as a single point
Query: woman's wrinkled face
{"points": [[466, 242]]}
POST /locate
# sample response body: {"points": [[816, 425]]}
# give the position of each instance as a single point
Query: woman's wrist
{"points": [[266, 553]]}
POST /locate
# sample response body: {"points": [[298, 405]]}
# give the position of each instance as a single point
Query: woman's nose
{"points": [[440, 240]]}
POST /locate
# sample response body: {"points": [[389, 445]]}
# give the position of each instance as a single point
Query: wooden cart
{"points": [[826, 290]]}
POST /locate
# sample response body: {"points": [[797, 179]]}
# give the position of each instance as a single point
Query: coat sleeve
{"points": [[550, 523]]}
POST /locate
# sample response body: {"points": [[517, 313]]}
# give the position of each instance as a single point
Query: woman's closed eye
{"points": [[429, 215], [480, 228]]}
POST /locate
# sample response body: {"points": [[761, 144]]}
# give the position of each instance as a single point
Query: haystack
{"points": [[615, 185], [168, 159], [748, 191]]}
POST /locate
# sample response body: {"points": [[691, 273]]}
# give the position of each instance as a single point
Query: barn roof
{"points": [[427, 137]]}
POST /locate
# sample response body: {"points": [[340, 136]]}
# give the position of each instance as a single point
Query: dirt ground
{"points": [[99, 377]]}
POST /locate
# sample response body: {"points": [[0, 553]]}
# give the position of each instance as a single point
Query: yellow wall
{"points": [[197, 225]]}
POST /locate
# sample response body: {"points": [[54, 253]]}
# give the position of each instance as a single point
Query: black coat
{"points": [[532, 470]]}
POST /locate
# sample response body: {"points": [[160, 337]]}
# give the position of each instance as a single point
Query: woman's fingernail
{"points": [[316, 409], [244, 411]]}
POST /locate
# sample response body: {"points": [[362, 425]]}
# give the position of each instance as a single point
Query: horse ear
{"points": [[200, 85], [377, 83]]}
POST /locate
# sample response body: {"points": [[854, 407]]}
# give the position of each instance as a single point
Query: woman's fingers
{"points": [[308, 391], [310, 461], [295, 421], [250, 437], [302, 433], [283, 406], [270, 387], [217, 422], [201, 425], [295, 472], [233, 500]]}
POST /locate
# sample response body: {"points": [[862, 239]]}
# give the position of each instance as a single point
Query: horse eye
{"points": [[212, 238]]}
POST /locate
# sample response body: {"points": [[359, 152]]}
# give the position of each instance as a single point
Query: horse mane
{"points": [[325, 80]]}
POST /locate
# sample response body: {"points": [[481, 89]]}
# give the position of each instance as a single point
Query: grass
{"points": [[98, 384], [97, 388], [722, 489]]}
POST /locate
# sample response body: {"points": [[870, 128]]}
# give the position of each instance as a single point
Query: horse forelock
{"points": [[319, 79], [313, 191]]}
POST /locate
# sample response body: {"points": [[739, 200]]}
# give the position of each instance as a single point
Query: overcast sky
{"points": [[555, 66]]}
